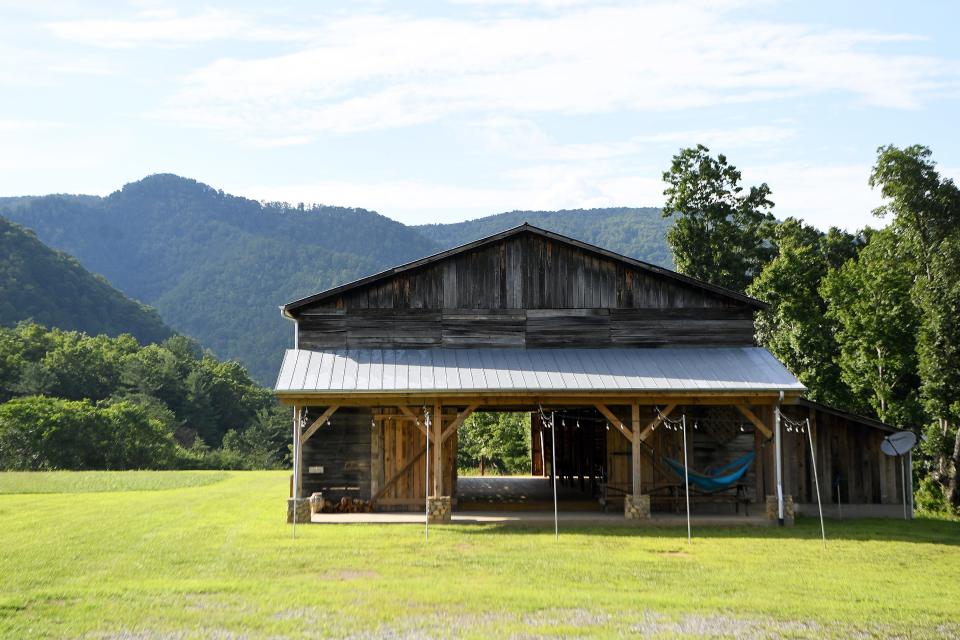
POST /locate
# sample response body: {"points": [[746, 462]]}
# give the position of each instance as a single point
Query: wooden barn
{"points": [[610, 355]]}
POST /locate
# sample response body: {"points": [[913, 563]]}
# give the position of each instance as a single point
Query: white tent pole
{"points": [[426, 484], [686, 477], [553, 470], [779, 454], [816, 482]]}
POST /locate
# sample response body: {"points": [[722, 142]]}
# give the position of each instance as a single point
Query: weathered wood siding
{"points": [[525, 290], [850, 466], [342, 448]]}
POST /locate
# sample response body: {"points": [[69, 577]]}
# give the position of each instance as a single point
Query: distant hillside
{"points": [[217, 266], [636, 232], [50, 287]]}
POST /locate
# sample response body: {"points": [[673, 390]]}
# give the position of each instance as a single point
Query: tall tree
{"points": [[795, 327], [926, 212], [938, 350], [924, 207], [868, 300], [720, 230]]}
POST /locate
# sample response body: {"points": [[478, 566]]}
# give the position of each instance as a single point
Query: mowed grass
{"points": [[99, 481], [217, 561]]}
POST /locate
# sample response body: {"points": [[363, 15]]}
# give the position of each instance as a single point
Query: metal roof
{"points": [[688, 369], [524, 228]]}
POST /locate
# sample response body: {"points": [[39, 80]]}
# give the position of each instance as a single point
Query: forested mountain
{"points": [[217, 266], [635, 232], [49, 287]]}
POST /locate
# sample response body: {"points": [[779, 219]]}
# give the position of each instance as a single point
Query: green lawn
{"points": [[217, 561], [99, 481]]}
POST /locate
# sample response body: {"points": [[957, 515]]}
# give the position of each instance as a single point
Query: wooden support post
{"points": [[778, 452], [297, 462], [635, 446], [437, 449], [376, 456]]}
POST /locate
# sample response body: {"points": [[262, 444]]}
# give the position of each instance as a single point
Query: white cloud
{"points": [[382, 71], [525, 139], [165, 27]]}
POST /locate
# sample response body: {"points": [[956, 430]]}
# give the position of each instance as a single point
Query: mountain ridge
{"points": [[50, 287]]}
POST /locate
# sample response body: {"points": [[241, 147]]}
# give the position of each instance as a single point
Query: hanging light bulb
{"points": [[578, 424], [608, 426], [741, 427]]}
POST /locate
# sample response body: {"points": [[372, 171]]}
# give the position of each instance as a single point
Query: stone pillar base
{"points": [[300, 507], [788, 511], [636, 507], [439, 509]]}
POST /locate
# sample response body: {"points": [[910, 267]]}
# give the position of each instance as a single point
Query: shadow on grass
{"points": [[917, 531]]}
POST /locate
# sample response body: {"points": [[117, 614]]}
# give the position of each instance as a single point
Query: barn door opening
{"points": [[505, 463]]}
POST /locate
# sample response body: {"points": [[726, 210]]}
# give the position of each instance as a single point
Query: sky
{"points": [[446, 111]]}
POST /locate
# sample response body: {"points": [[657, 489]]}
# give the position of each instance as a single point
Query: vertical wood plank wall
{"points": [[848, 452], [402, 442], [525, 291]]}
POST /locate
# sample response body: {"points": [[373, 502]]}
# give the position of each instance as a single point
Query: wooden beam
{"points": [[318, 423], [635, 447], [656, 422], [412, 416], [757, 422], [296, 483], [531, 399], [396, 417], [463, 415], [437, 449], [617, 422]]}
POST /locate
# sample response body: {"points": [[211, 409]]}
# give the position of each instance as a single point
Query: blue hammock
{"points": [[722, 478]]}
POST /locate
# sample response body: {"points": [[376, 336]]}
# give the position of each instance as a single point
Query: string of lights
{"points": [[793, 426]]}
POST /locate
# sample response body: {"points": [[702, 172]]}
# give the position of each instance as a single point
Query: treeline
{"points": [[494, 444], [868, 321], [74, 401]]}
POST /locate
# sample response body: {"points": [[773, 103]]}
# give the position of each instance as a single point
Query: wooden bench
{"points": [[673, 495]]}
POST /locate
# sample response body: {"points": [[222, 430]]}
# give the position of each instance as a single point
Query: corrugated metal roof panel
{"points": [[693, 369]]}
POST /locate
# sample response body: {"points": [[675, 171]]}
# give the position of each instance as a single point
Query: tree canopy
{"points": [[720, 229], [74, 401]]}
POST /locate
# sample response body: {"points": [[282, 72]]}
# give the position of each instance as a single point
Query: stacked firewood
{"points": [[347, 505]]}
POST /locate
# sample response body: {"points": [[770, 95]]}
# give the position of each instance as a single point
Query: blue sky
{"points": [[443, 111]]}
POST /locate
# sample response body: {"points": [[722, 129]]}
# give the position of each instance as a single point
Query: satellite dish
{"points": [[899, 443]]}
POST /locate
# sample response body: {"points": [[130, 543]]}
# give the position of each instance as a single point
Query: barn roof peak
{"points": [[526, 227]]}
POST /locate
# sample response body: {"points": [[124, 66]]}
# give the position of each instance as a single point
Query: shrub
{"points": [[41, 433]]}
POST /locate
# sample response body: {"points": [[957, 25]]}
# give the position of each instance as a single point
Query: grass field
{"points": [[215, 560]]}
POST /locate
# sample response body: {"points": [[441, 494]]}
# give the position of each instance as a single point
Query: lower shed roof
{"points": [[685, 370]]}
